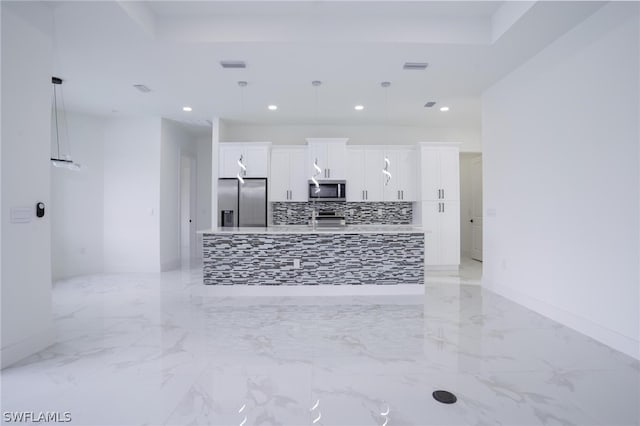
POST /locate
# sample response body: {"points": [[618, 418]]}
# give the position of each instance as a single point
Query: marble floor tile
{"points": [[148, 349]]}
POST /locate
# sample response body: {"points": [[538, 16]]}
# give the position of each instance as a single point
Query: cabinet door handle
{"points": [[398, 195], [363, 194], [443, 197], [329, 173], [366, 194], [402, 193], [442, 207]]}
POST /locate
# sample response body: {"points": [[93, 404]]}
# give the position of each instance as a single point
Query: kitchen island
{"points": [[302, 255]]}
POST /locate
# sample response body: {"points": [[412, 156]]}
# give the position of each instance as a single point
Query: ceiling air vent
{"points": [[142, 88], [415, 66], [233, 64], [429, 104]]}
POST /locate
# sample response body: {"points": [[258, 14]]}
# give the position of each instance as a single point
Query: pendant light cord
{"points": [[65, 127], [55, 114]]}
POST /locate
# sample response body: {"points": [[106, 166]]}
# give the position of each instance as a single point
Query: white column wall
{"points": [[25, 170], [204, 179], [560, 170]]}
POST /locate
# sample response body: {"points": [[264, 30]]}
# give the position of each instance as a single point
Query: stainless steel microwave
{"points": [[334, 190]]}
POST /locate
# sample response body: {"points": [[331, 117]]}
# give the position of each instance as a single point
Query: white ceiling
{"points": [[174, 47]]}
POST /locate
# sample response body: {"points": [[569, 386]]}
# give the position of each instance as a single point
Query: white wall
{"points": [[358, 135], [132, 195], [26, 114], [203, 167], [77, 201], [560, 161], [175, 142]]}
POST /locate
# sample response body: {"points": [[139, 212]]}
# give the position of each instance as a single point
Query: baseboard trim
{"points": [[13, 353], [442, 268], [613, 339]]}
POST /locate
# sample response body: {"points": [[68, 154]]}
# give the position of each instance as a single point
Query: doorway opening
{"points": [[471, 214]]}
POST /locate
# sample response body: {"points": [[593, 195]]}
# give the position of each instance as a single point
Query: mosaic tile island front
{"points": [[301, 255]]}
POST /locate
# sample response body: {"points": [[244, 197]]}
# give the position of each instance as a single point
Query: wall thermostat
{"points": [[40, 209]]}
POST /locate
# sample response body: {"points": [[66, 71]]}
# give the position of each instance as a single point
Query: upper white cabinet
{"points": [[440, 167], [255, 157], [366, 182], [330, 154], [364, 176], [288, 174], [402, 166]]}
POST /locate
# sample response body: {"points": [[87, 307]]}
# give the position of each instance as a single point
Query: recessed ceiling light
{"points": [[272, 107], [429, 104], [187, 109], [415, 66], [358, 107], [444, 109]]}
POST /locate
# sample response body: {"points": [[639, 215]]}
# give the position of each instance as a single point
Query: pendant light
{"points": [[387, 162], [242, 171], [317, 168], [61, 159]]}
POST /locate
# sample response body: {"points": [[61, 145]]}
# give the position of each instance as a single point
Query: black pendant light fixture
{"points": [[61, 159]]}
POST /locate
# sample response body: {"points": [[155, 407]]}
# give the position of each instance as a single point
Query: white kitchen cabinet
{"points": [[402, 186], [440, 172], [255, 157], [439, 177], [442, 219], [364, 176], [330, 154], [366, 182], [288, 180]]}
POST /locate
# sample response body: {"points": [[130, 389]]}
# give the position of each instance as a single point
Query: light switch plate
{"points": [[21, 214]]}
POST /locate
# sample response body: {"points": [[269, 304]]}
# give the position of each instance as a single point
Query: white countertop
{"points": [[305, 229]]}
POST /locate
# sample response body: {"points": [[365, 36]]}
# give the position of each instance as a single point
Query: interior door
{"points": [[476, 208]]}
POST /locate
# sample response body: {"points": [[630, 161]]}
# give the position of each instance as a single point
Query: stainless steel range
{"points": [[327, 218]]}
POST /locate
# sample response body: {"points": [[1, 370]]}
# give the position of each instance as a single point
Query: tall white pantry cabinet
{"points": [[440, 203]]}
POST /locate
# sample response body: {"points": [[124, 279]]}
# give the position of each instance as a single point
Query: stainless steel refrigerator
{"points": [[242, 204]]}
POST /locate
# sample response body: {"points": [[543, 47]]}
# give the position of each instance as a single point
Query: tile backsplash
{"points": [[375, 213]]}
